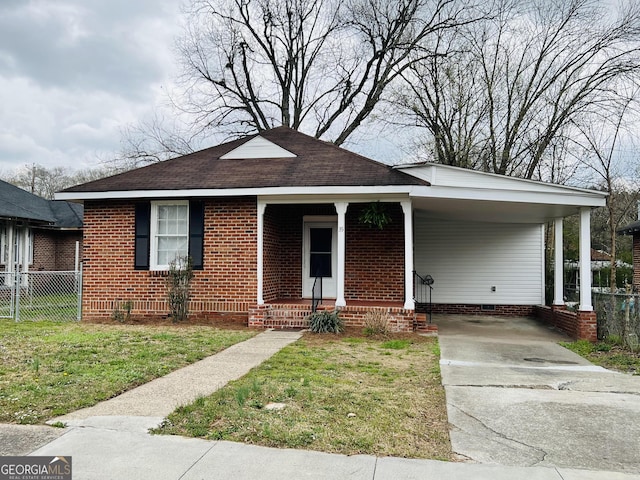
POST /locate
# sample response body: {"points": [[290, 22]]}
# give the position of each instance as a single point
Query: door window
{"points": [[320, 243]]}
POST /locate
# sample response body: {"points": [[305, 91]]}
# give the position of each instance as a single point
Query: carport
{"points": [[481, 237]]}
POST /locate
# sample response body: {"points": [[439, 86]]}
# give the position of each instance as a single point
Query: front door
{"points": [[319, 258]]}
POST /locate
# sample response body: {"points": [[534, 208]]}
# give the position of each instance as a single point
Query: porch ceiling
{"points": [[491, 211]]}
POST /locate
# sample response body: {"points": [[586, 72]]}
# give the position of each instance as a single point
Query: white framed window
{"points": [[16, 245], [4, 243], [169, 232], [29, 245]]}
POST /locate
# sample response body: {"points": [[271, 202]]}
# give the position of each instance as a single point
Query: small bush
{"points": [[376, 322], [325, 322], [179, 288], [122, 310]]}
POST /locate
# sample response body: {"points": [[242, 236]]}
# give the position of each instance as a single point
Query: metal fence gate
{"points": [[36, 296]]}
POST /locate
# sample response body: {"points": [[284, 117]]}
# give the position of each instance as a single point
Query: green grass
{"points": [[608, 354], [350, 396], [61, 306], [49, 369]]}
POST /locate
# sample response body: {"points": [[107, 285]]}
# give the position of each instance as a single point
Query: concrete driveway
{"points": [[516, 397]]}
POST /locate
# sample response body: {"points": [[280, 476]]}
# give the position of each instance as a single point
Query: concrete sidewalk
{"points": [[111, 439], [119, 448]]}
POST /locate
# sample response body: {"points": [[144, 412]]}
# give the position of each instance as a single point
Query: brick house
{"points": [[633, 229], [37, 234], [264, 215]]}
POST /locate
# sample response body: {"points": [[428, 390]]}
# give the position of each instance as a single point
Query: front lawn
{"points": [[348, 395], [49, 369], [607, 354]]}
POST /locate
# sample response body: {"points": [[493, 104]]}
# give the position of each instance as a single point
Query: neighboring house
{"points": [[262, 216], [633, 229], [600, 260], [35, 233]]}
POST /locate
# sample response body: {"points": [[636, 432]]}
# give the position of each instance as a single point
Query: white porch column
{"points": [[25, 249], [260, 267], [341, 210], [558, 273], [11, 245], [409, 303], [585, 260]]}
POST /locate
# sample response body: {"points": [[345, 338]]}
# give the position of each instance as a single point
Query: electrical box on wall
{"points": [[493, 288]]}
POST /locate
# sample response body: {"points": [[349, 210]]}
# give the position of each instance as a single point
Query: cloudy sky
{"points": [[73, 73]]}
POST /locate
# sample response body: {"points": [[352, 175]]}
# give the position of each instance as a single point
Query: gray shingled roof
{"points": [[16, 203], [630, 229], [68, 214], [317, 163]]}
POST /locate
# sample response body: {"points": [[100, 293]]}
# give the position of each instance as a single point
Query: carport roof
{"points": [[462, 194]]}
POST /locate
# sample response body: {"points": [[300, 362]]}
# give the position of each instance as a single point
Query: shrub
{"points": [[179, 288], [325, 322], [376, 322], [122, 310]]}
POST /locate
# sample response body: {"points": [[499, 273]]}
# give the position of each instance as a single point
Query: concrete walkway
{"points": [[111, 441], [158, 398], [515, 397]]}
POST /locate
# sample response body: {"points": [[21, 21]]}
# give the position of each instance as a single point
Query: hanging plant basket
{"points": [[375, 215]]}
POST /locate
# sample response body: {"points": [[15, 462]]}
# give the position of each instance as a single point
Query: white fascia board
{"points": [[330, 198], [303, 192], [428, 172], [558, 198]]}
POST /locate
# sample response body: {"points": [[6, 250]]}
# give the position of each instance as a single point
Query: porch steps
{"points": [[421, 325], [287, 316]]}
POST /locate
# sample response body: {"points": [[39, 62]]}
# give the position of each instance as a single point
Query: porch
{"points": [[308, 241]]}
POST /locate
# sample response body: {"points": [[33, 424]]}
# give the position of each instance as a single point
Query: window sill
{"points": [[158, 273]]}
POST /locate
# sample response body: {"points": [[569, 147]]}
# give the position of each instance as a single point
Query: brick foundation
{"points": [[581, 325], [295, 316], [472, 309]]}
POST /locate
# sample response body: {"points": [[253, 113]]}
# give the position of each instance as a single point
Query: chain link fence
{"points": [[618, 315], [36, 296]]}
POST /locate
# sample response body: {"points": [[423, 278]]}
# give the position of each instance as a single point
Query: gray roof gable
{"points": [[18, 204]]}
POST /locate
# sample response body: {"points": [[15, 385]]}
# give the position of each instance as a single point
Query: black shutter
{"points": [[196, 234], [143, 236]]}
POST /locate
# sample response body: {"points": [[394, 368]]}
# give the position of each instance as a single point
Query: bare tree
{"points": [[151, 141], [600, 141], [316, 65], [45, 182], [505, 101], [39, 180]]}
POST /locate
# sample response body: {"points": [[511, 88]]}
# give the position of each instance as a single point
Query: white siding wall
{"points": [[466, 259]]}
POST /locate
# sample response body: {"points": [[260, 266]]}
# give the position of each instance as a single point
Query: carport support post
{"points": [[558, 274], [585, 260], [587, 328]]}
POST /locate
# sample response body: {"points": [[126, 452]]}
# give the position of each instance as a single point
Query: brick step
{"points": [[287, 317], [424, 327]]}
